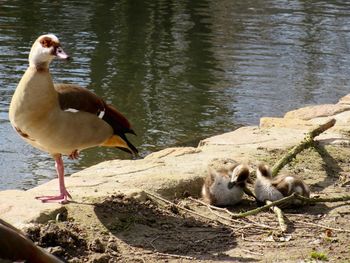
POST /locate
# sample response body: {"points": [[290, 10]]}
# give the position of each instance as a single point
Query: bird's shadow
{"points": [[330, 165], [164, 230]]}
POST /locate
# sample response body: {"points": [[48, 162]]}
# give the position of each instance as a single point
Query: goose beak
{"points": [[61, 54]]}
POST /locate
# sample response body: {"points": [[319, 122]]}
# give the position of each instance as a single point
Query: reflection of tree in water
{"points": [[183, 70], [158, 56], [322, 48]]}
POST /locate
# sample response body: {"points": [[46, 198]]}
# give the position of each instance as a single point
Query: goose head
{"points": [[44, 50]]}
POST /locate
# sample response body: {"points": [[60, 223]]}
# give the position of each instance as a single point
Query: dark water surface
{"points": [[179, 70]]}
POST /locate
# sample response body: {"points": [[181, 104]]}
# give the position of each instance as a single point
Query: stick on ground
{"points": [[304, 144], [280, 217]]}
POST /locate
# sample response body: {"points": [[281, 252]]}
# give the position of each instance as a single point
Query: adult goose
{"points": [[62, 119], [16, 247]]}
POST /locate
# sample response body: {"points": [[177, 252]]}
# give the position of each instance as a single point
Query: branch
{"points": [[323, 200], [211, 208], [234, 222], [304, 144], [188, 210], [322, 128], [323, 226], [280, 217], [255, 211], [174, 256], [265, 207], [290, 198]]}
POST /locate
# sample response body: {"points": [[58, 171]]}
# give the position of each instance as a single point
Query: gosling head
{"points": [[263, 170], [239, 176], [44, 50]]}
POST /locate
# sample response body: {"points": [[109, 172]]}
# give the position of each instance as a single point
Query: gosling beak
{"points": [[230, 185], [61, 54]]}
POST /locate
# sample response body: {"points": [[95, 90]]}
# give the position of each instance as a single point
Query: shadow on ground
{"points": [[145, 225]]}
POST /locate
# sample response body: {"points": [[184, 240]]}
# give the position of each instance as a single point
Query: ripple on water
{"points": [[180, 71]]}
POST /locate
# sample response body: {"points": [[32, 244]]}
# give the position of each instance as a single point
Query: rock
{"points": [[269, 122], [19, 208], [222, 164], [173, 151], [55, 236], [246, 140], [316, 111], [345, 99], [74, 260], [170, 172], [112, 246], [62, 216], [100, 258], [342, 119], [97, 246], [33, 232], [56, 251], [139, 195]]}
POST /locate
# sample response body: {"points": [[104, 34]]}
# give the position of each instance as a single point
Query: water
{"points": [[179, 70]]}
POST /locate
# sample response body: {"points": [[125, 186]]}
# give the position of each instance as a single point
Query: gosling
{"points": [[222, 188], [273, 189]]}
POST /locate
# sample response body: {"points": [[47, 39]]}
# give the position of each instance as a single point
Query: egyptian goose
{"points": [[225, 187], [62, 119], [16, 247], [272, 189]]}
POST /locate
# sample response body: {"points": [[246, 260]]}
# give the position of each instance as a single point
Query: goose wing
{"points": [[76, 98]]}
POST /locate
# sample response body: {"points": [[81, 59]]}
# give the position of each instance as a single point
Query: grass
{"points": [[318, 256]]}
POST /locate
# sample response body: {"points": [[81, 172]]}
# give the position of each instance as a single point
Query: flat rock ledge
{"points": [[172, 171]]}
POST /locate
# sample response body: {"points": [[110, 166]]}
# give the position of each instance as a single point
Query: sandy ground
{"points": [[127, 229]]}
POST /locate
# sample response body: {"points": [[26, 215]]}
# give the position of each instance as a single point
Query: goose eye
{"points": [[58, 51]]}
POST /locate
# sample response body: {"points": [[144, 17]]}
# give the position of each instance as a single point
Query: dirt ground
{"points": [[127, 229]]}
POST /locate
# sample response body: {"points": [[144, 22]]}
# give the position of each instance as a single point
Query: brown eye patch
{"points": [[47, 42]]}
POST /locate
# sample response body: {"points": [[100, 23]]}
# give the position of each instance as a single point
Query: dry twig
{"points": [[323, 226], [252, 252], [174, 256], [155, 196], [265, 207], [276, 203], [233, 215], [290, 198], [314, 200], [212, 207]]}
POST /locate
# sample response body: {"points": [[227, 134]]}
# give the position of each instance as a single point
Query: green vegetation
{"points": [[318, 256]]}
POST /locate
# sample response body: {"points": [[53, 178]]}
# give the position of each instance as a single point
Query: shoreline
{"points": [[172, 170], [113, 217]]}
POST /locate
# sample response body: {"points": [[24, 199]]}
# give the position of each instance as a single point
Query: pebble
{"points": [[100, 258], [97, 246]]}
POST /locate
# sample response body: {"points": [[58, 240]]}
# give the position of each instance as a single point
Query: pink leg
{"points": [[63, 197]]}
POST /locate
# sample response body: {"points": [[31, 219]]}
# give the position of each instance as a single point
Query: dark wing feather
{"points": [[281, 185], [117, 120], [78, 98], [81, 99], [120, 125]]}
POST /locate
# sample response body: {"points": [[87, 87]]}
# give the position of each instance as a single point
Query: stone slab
{"points": [[172, 171]]}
